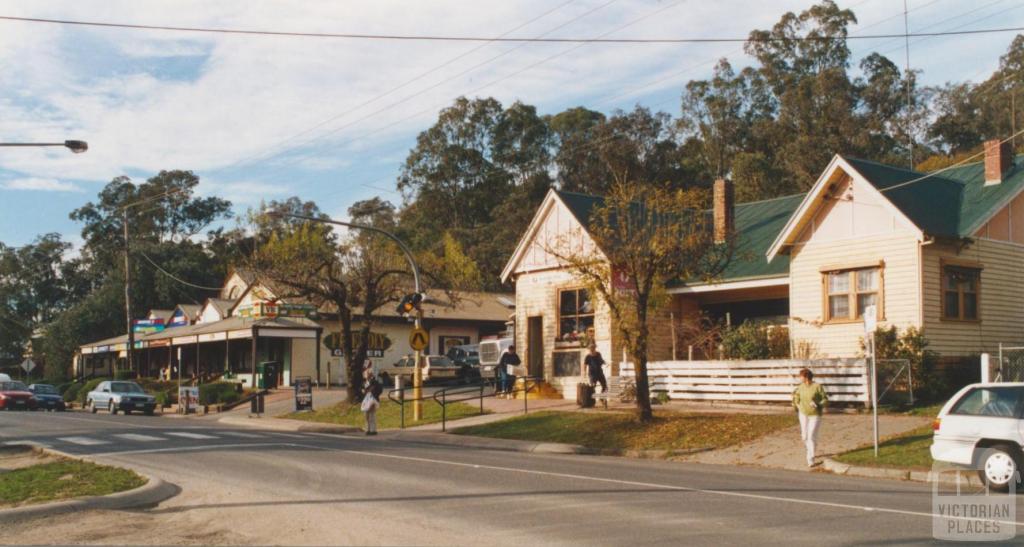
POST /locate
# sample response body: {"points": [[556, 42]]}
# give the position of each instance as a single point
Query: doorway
{"points": [[535, 346]]}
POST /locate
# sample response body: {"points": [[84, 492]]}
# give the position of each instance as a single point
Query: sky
{"points": [[332, 120]]}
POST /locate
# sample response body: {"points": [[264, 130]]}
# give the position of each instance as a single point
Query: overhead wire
{"points": [[174, 277], [451, 38], [960, 163]]}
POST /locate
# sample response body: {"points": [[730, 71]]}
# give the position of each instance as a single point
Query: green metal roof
{"points": [[951, 203], [757, 223]]}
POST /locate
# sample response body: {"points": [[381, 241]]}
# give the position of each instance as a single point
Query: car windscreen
{"points": [[1001, 402], [45, 389], [125, 387], [441, 361], [13, 386]]}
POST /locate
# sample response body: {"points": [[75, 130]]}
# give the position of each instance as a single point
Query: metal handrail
{"points": [[402, 399], [529, 382]]}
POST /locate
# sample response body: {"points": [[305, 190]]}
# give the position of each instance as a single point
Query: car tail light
{"points": [[936, 423]]}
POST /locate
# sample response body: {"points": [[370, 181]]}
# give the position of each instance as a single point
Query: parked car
{"points": [[15, 396], [4, 377], [47, 397], [490, 354], [123, 395], [982, 426], [437, 367], [465, 355]]}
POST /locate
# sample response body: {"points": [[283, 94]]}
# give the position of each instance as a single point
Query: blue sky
{"points": [[260, 118]]}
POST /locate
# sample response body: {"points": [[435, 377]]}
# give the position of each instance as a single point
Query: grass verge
{"points": [[388, 415], [906, 451], [622, 431], [63, 479]]}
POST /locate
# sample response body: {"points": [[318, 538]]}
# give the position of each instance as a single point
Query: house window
{"points": [[575, 314], [850, 292], [960, 287]]}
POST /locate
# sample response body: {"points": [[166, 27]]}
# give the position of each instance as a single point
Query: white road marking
{"points": [[241, 434], [191, 449], [139, 437], [26, 443], [189, 435], [289, 435], [573, 476], [87, 441]]}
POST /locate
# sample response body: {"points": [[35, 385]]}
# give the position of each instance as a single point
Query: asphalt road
{"points": [[358, 490]]}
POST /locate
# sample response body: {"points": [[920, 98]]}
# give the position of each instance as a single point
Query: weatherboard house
{"points": [[941, 251], [251, 321]]}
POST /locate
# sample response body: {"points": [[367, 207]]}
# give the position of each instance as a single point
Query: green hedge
{"points": [[70, 391], [83, 392], [216, 392]]}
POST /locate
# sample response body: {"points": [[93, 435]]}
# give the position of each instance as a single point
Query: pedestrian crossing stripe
{"points": [[139, 437], [188, 435], [86, 441]]}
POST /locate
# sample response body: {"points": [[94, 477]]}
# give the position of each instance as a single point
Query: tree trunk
{"points": [[353, 373], [643, 387]]}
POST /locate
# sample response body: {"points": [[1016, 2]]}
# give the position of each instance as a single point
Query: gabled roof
{"points": [[161, 314], [757, 223], [222, 305], [190, 310], [951, 203]]}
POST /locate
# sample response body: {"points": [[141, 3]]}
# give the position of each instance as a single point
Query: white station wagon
{"points": [[982, 426]]}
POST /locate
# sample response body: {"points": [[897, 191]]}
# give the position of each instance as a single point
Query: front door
{"points": [[535, 346]]}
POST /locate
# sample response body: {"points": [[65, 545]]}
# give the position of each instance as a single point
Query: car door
{"points": [[101, 397], [985, 412]]}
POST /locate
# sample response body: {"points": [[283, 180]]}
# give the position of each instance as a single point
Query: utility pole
{"points": [[910, 104], [128, 297]]}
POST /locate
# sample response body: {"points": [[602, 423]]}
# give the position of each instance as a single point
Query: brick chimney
{"points": [[998, 158], [724, 212]]}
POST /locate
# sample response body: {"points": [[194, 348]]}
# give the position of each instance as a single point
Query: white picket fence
{"points": [[845, 380]]}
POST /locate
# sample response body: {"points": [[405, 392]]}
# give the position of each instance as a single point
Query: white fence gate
{"points": [[845, 380]]}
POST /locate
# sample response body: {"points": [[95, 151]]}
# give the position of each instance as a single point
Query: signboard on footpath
{"points": [[303, 393], [188, 399]]}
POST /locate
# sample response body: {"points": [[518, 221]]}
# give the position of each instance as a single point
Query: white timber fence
{"points": [[845, 380]]}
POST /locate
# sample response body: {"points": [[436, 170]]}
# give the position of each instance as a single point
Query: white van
{"points": [[490, 354]]}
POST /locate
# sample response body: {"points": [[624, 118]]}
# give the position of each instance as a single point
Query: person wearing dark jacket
{"points": [[594, 364], [506, 369]]}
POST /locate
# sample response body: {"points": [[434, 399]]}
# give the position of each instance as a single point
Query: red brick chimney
{"points": [[724, 212], [998, 158]]}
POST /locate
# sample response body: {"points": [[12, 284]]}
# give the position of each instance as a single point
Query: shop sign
{"points": [[147, 326], [377, 344], [260, 310]]}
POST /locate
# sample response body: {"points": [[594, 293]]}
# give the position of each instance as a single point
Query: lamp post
{"points": [[76, 147], [417, 375]]}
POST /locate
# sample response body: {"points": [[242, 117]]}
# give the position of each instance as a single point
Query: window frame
{"points": [[576, 316], [852, 294], [976, 268]]}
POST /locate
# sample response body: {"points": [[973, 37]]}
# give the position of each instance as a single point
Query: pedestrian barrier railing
{"points": [[476, 391]]}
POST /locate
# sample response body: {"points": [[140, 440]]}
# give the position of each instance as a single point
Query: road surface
{"points": [[256, 486]]}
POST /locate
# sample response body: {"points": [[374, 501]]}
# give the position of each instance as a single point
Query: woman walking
{"points": [[809, 399], [371, 402]]}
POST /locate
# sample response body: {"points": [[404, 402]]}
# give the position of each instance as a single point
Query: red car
{"points": [[16, 396]]}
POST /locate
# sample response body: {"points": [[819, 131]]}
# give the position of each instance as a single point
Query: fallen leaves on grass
{"points": [[613, 430]]}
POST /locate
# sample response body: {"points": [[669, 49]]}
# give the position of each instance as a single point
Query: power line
{"points": [[272, 149], [968, 159], [175, 278], [447, 38]]}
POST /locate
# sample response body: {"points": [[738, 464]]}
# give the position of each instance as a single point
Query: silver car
{"points": [[123, 395]]}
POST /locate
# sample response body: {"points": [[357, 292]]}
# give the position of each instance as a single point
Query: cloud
{"points": [[41, 185]]}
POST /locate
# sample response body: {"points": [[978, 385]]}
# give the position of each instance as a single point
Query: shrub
{"points": [[211, 394], [756, 340], [166, 397], [70, 392], [911, 345], [229, 397]]}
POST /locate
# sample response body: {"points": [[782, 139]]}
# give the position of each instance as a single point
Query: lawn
{"points": [[388, 415], [908, 450], [63, 479], [622, 431]]}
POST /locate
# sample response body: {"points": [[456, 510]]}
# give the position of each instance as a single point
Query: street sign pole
{"points": [[417, 375], [870, 324]]}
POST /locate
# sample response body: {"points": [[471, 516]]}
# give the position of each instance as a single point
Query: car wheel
{"points": [[126, 412], [92, 406], [999, 467], [112, 407]]}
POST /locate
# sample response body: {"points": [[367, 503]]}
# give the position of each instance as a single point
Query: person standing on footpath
{"points": [[371, 402], [594, 364], [809, 399], [506, 367]]}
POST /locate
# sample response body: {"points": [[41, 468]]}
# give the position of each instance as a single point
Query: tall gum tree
{"points": [[651, 236]]}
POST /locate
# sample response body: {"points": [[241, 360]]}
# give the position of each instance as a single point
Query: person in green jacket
{"points": [[809, 399]]}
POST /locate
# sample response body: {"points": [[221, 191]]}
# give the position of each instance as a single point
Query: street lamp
{"points": [[417, 377], [76, 147]]}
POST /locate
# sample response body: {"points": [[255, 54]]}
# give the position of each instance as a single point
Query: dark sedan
{"points": [[16, 396], [47, 397]]}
